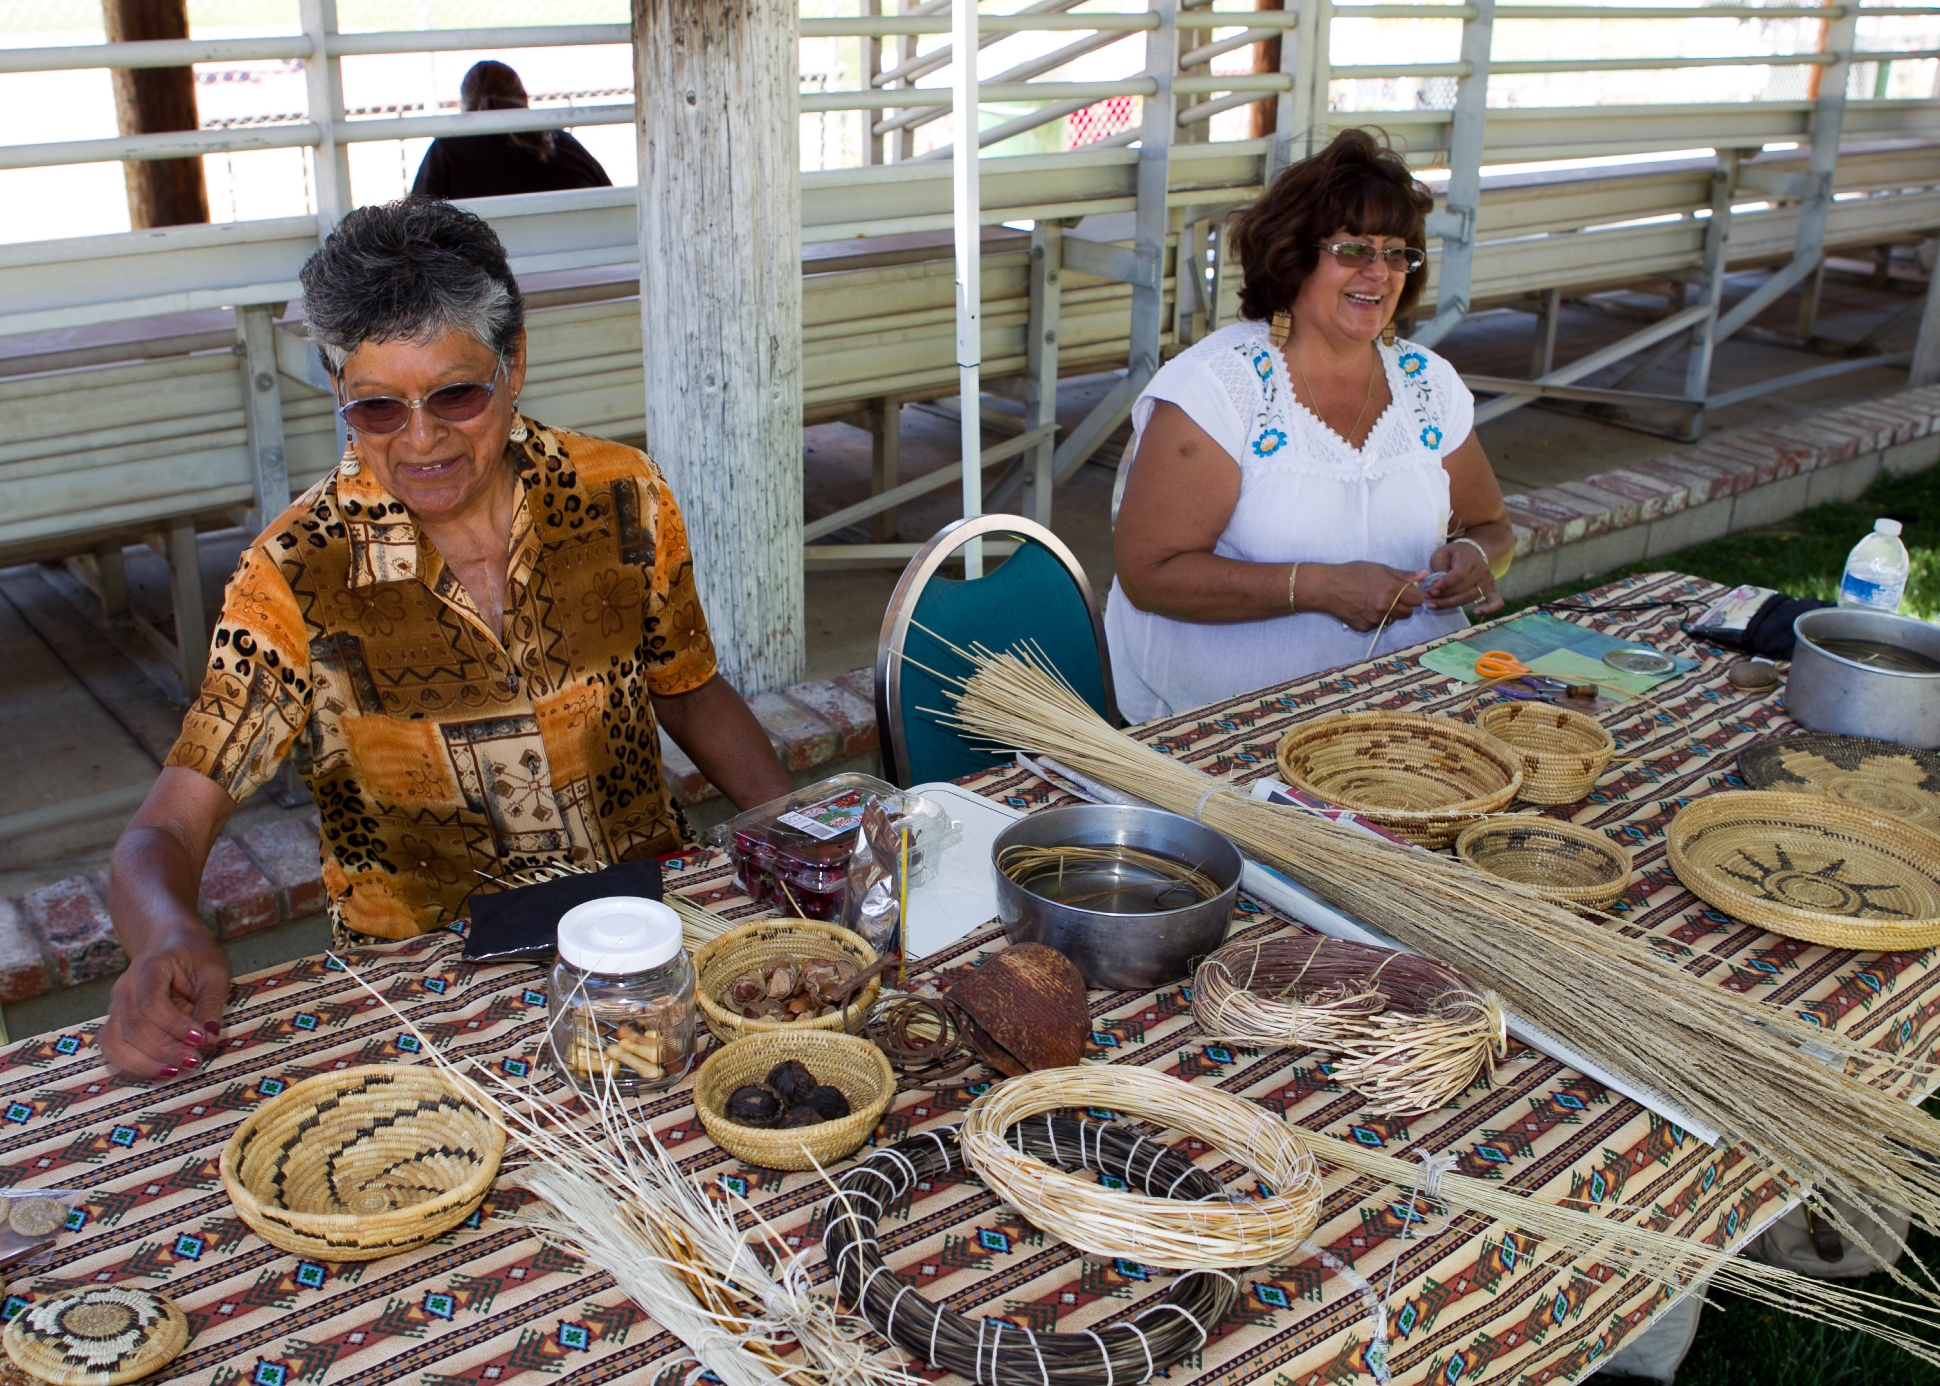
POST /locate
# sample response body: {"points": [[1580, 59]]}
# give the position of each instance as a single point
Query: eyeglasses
{"points": [[1358, 253], [452, 403]]}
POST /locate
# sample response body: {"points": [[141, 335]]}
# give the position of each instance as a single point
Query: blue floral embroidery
{"points": [[1269, 442], [1431, 437], [1412, 363], [1263, 364]]}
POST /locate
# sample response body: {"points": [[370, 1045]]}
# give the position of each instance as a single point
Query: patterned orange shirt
{"points": [[435, 747]]}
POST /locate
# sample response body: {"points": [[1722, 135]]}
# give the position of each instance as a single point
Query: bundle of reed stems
{"points": [[1815, 1107], [1159, 1231], [609, 1190], [1412, 1035]]}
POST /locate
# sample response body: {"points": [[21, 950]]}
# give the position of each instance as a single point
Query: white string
{"points": [[935, 1323], [1200, 807], [1150, 1370], [1109, 1380], [889, 1328], [1042, 1370], [1176, 1309], [1377, 1351], [1434, 1167], [943, 1149], [862, 1296], [1213, 1270], [903, 1160], [996, 1338], [977, 1372], [1051, 1130], [1190, 1171]]}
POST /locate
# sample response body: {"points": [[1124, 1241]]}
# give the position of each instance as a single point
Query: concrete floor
{"points": [[87, 706]]}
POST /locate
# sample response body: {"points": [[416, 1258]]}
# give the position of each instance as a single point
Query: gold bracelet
{"points": [[1293, 575]]}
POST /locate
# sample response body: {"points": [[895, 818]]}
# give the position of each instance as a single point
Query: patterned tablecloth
{"points": [[490, 1303]]}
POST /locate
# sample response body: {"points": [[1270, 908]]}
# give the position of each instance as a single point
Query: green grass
{"points": [[1806, 555], [1740, 1343]]}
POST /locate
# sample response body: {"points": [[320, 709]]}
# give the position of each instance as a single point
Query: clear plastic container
{"points": [[793, 852], [621, 1004], [1876, 570]]}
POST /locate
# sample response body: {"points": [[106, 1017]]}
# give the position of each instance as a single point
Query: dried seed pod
{"points": [[747, 989], [827, 1102], [1028, 1003], [820, 979], [754, 1104], [782, 981], [802, 1116], [800, 1006], [791, 1078]]}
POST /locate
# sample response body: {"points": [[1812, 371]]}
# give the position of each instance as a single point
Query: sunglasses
{"points": [[452, 403], [1357, 253]]}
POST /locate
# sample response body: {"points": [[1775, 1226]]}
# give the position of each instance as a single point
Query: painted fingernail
{"points": [[196, 1036], [191, 1060], [170, 1072], [215, 1028]]}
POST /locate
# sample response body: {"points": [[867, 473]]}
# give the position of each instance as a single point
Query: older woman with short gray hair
{"points": [[468, 634]]}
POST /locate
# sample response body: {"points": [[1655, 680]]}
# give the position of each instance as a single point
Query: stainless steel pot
{"points": [[1135, 946], [1827, 692]]}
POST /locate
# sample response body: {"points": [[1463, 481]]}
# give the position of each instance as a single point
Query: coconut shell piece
{"points": [[1028, 1003]]}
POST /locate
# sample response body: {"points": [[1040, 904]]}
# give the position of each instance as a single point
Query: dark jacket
{"points": [[493, 166]]}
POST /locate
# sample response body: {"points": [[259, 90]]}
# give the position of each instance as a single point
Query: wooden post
{"points": [[153, 101], [721, 311]]}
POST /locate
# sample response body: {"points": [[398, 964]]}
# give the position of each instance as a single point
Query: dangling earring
{"points": [[1281, 330], [350, 464], [1387, 334], [519, 431]]}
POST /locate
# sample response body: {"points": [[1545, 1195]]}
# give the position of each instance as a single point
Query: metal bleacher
{"points": [[158, 382]]}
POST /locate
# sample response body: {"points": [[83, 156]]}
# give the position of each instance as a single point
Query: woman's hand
{"points": [[1362, 595], [1465, 580], [165, 1013]]}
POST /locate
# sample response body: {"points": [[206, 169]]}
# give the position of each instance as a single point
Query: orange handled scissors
{"points": [[1499, 664]]}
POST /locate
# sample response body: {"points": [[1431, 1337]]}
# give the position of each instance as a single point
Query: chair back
{"points": [[1039, 596]]}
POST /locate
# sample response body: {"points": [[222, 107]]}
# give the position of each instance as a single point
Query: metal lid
{"points": [[619, 934], [1640, 661]]}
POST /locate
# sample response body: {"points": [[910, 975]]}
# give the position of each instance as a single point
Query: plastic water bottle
{"points": [[1876, 570]]}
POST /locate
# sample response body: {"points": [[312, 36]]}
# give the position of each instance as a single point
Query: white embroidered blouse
{"points": [[1305, 496]]}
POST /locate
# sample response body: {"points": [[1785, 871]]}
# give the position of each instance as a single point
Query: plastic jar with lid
{"points": [[621, 1004]]}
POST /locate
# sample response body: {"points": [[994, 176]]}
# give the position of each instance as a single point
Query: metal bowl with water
{"points": [[1132, 932]]}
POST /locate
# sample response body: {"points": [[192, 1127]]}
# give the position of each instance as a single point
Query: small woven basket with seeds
{"points": [[787, 955], [362, 1162], [1563, 862], [855, 1066], [1412, 1034], [1424, 778]]}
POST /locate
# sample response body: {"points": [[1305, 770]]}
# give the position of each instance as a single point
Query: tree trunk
{"points": [[721, 310], [154, 101]]}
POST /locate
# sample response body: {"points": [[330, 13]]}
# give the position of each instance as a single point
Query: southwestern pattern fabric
{"points": [[435, 747], [1461, 1301]]}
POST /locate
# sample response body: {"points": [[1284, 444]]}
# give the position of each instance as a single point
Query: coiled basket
{"points": [[362, 1163]]}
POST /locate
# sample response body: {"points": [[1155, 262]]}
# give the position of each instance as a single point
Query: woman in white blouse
{"points": [[1300, 479]]}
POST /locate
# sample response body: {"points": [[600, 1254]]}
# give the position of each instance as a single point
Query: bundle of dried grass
{"points": [[611, 1192], [1412, 1035], [1158, 1231], [1815, 1107]]}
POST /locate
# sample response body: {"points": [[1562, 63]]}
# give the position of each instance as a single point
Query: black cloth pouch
{"points": [[522, 924], [1755, 620]]}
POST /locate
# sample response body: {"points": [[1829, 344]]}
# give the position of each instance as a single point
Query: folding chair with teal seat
{"points": [[1037, 596]]}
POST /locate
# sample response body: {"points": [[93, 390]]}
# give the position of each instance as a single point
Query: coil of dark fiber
{"points": [[991, 1353]]}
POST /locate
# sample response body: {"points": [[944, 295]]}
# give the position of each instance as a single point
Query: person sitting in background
{"points": [[469, 634], [499, 165], [1294, 479]]}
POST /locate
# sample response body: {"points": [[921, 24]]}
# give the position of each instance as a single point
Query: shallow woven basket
{"points": [[1564, 753], [765, 941], [1811, 869], [1423, 777], [362, 1162], [1559, 861], [854, 1065]]}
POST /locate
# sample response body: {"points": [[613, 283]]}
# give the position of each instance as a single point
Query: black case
{"points": [[522, 925]]}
